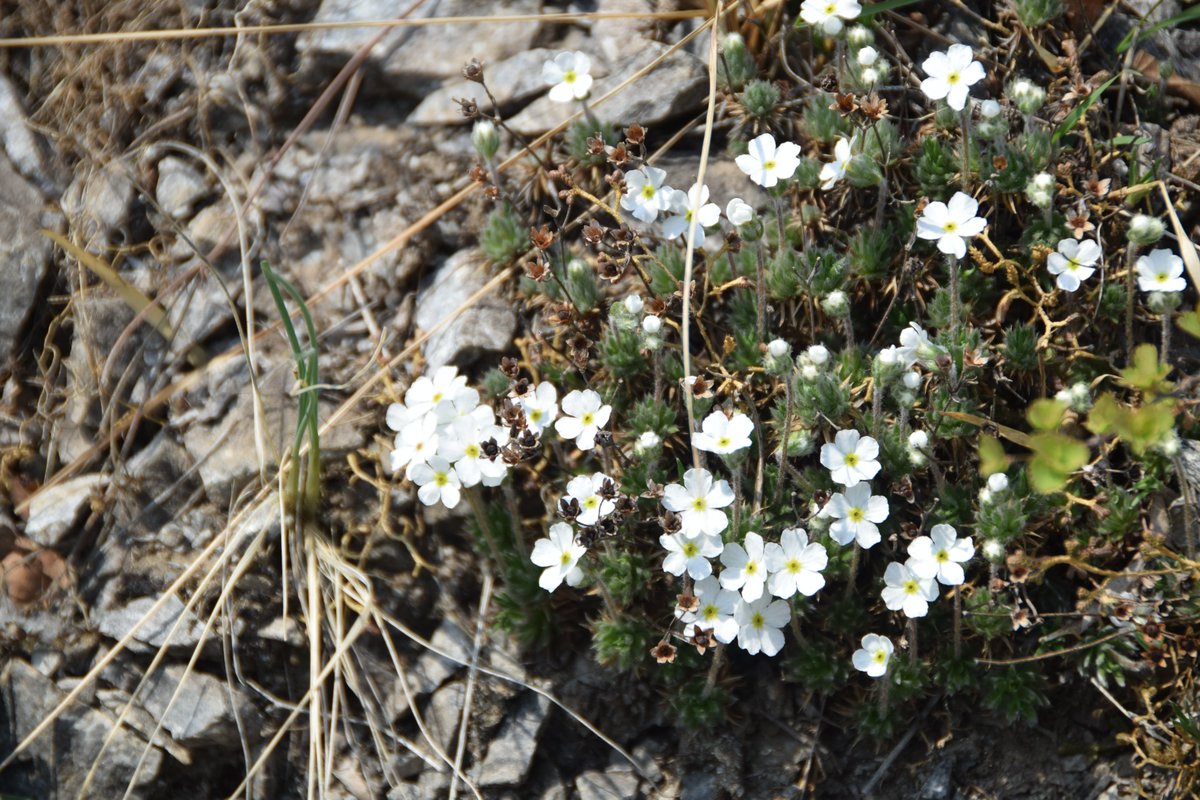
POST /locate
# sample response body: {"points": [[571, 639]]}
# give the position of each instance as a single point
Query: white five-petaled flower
{"points": [[540, 406], [834, 171], [585, 416], [951, 224], [691, 207], [795, 564], [766, 163], [722, 435], [699, 502], [559, 554], [872, 658], [568, 76], [739, 211], [714, 612], [760, 625], [830, 15], [439, 394], [415, 444], [858, 513], [951, 75], [690, 553], [745, 567], [1073, 263], [907, 592], [646, 195], [850, 457], [466, 453], [1160, 271], [940, 555], [586, 490], [916, 347], [436, 481]]}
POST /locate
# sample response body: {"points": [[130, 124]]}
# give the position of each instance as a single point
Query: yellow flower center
{"points": [[437, 397], [648, 192], [751, 567], [794, 566], [569, 76], [941, 556], [769, 165], [691, 550], [710, 612], [565, 559], [1161, 277], [441, 479], [591, 502], [473, 451], [953, 78], [851, 459], [830, 8], [699, 504], [911, 587], [950, 227], [856, 515], [535, 415], [757, 620], [588, 419], [724, 441], [879, 657]]}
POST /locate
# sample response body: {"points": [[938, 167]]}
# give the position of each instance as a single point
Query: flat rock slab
{"points": [[202, 712], [117, 622], [486, 326], [414, 60], [613, 784], [24, 254], [676, 86], [57, 762], [510, 754], [53, 511]]}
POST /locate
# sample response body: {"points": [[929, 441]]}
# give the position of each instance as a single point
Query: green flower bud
{"points": [[486, 139], [1144, 229], [1163, 302]]}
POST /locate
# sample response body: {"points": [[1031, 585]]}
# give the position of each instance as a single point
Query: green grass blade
{"points": [[1187, 15], [1077, 113]]}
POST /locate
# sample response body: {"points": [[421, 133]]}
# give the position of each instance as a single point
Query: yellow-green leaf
{"points": [[991, 456], [1189, 322], [1147, 426], [1056, 456], [1106, 416], [1045, 414], [1146, 373]]}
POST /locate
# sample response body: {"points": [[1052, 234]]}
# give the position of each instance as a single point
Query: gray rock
{"points": [[613, 784], [511, 81], [675, 86], [617, 39], [56, 764], [938, 786], [488, 325], [156, 486], [97, 203], [202, 713], [119, 621], [413, 60], [511, 752], [23, 146], [54, 511], [405, 791], [431, 669], [24, 254], [444, 713], [180, 186], [700, 786]]}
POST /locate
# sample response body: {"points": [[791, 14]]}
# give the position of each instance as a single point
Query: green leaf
{"points": [[1106, 416], [991, 456], [1146, 373], [1189, 322], [1147, 426], [1187, 15], [1045, 414], [1072, 119], [1056, 456]]}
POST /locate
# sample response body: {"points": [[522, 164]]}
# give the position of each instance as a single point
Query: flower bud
{"points": [[739, 211], [993, 551], [1040, 190], [799, 443], [647, 444], [652, 324], [1163, 302], [633, 304], [866, 56], [918, 440], [997, 482], [836, 304], [989, 109], [859, 36], [912, 380], [817, 354], [486, 139], [1144, 229], [778, 348], [1026, 95]]}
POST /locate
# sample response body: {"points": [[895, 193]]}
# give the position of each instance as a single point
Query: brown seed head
{"points": [[473, 70]]}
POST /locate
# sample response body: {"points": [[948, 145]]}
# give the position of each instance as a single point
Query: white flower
{"points": [[568, 76], [939, 555], [989, 109], [398, 416], [745, 567], [866, 56], [586, 416], [818, 354], [951, 224], [560, 555], [918, 440], [760, 625], [647, 442], [778, 348], [767, 164], [586, 490], [916, 347], [834, 171], [997, 482], [540, 406], [690, 553], [1160, 271], [691, 207], [698, 502], [415, 443], [830, 15], [993, 550], [715, 610], [647, 196], [651, 324], [858, 513], [633, 304], [850, 457], [874, 655], [465, 452], [722, 435], [951, 75], [1073, 263], [437, 481], [439, 394], [906, 592], [739, 211], [911, 380], [795, 564]]}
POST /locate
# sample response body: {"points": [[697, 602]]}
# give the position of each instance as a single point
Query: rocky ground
{"points": [[129, 458]]}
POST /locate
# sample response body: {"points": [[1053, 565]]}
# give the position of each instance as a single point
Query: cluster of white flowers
{"points": [[937, 558], [441, 433], [648, 195]]}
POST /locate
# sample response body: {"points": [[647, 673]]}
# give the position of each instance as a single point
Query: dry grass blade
{"points": [[1187, 250]]}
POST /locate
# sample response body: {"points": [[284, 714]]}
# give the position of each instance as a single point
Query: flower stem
{"points": [[876, 405], [1166, 336], [965, 130], [912, 641], [957, 622], [854, 559], [760, 296], [1130, 257], [955, 310]]}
